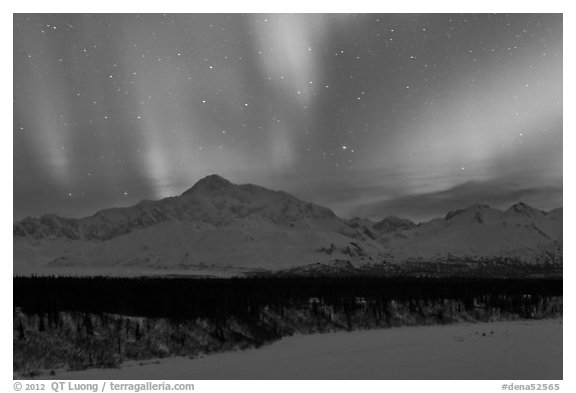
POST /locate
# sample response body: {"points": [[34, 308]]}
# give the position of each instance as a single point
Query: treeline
{"points": [[245, 298]]}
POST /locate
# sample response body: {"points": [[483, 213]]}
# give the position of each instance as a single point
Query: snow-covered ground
{"points": [[495, 350]]}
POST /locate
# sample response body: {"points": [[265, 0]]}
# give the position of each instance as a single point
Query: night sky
{"points": [[367, 114]]}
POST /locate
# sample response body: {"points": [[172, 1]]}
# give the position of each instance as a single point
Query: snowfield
{"points": [[494, 350]]}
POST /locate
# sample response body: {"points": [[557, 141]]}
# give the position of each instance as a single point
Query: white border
{"points": [[356, 6]]}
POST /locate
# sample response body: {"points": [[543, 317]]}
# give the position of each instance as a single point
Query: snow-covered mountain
{"points": [[393, 224], [217, 227], [213, 226], [213, 200], [522, 233]]}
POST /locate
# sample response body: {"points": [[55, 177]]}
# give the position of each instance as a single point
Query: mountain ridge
{"points": [[216, 223], [210, 194]]}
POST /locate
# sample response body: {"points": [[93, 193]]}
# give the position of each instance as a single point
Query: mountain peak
{"points": [[521, 206], [209, 183], [393, 224], [524, 209], [475, 209]]}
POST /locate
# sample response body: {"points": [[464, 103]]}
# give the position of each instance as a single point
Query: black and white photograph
{"points": [[288, 196]]}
